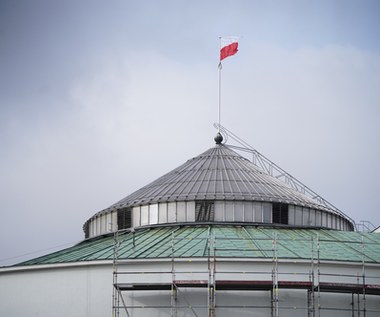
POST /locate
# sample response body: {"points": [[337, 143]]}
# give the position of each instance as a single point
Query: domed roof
{"points": [[217, 174]]}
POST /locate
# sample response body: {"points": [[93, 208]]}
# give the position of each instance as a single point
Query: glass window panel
{"points": [[219, 211], [312, 217], [229, 211], [136, 216], [329, 220], [258, 211], [114, 221], [339, 224], [104, 224], [91, 228], [318, 218], [190, 211], [100, 220], [305, 216], [153, 214], [298, 219], [172, 217], [144, 213], [162, 212], [267, 213], [108, 222], [239, 211], [324, 219], [96, 225], [291, 212], [248, 211], [181, 211], [107, 219]]}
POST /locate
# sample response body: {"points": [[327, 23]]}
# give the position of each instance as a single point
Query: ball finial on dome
{"points": [[219, 138]]}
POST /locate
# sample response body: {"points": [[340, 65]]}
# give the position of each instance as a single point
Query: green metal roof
{"points": [[228, 241]]}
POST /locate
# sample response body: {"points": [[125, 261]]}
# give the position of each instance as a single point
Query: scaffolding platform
{"points": [[143, 286], [369, 289], [227, 285], [164, 286], [257, 285]]}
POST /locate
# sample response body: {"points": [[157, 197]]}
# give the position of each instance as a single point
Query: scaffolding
{"points": [[177, 282]]}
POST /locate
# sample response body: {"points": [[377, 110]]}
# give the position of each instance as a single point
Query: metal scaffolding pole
{"points": [[319, 275], [173, 295], [115, 293], [275, 277], [363, 277], [310, 292]]}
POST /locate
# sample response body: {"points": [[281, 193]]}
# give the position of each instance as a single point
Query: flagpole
{"points": [[219, 86], [227, 50]]}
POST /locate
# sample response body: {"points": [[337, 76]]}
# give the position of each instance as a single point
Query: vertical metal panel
{"points": [[114, 221], [258, 209], [312, 217], [136, 216], [298, 219], [144, 215], [318, 218], [229, 211], [248, 211], [153, 214], [172, 212], [190, 211], [267, 213], [181, 211], [219, 211], [162, 212], [291, 215], [324, 219], [305, 216]]}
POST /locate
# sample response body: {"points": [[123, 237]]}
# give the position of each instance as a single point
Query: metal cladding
{"points": [[217, 174], [233, 242]]}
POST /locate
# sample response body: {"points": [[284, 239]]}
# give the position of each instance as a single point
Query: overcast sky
{"points": [[99, 98]]}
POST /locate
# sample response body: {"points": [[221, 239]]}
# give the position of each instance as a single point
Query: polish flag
{"points": [[229, 47]]}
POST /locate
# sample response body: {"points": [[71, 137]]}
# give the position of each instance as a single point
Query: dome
{"points": [[217, 174], [218, 185]]}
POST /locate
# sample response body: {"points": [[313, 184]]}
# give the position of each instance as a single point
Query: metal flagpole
{"points": [[228, 50], [220, 85]]}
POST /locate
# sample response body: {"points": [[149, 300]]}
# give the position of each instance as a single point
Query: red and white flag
{"points": [[228, 47]]}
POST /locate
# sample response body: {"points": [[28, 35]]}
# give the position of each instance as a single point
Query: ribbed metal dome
{"points": [[217, 174]]}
